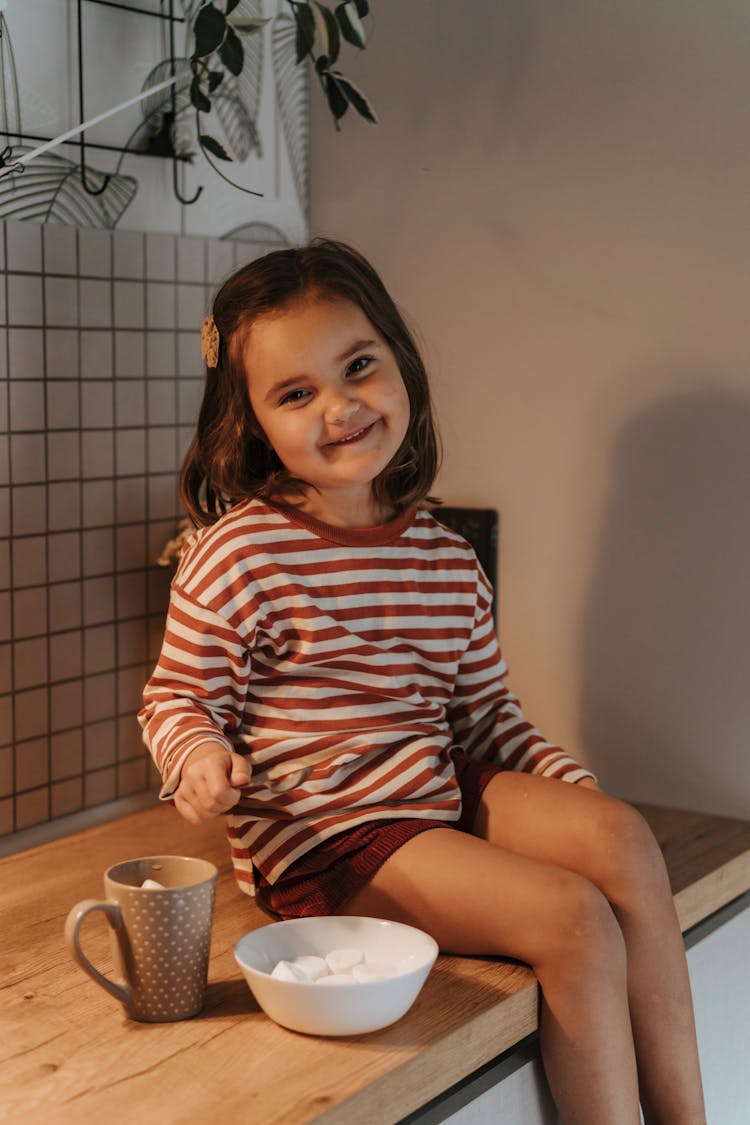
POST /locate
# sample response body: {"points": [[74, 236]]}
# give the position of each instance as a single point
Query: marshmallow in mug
{"points": [[340, 966]]}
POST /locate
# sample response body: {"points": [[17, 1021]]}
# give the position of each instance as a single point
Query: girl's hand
{"points": [[210, 782]]}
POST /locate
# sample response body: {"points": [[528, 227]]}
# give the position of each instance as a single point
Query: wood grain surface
{"points": [[69, 1054]]}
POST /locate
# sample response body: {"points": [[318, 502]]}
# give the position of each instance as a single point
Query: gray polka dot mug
{"points": [[160, 933]]}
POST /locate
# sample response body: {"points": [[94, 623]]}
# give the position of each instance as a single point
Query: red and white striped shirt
{"points": [[345, 664]]}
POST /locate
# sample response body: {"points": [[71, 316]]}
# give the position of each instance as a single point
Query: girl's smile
{"points": [[328, 394], [356, 436]]}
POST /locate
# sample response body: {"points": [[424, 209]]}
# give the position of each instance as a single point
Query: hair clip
{"points": [[210, 342]]}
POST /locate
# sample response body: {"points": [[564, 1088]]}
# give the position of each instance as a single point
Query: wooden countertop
{"points": [[70, 1055]]}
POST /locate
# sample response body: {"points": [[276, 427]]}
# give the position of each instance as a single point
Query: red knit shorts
{"points": [[322, 880]]}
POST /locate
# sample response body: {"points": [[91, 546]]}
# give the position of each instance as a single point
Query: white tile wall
{"points": [[100, 384]]}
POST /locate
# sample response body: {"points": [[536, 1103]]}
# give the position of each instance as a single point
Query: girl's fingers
{"points": [[240, 771], [209, 786], [204, 801], [185, 809]]}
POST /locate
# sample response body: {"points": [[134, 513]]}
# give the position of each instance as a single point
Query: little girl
{"points": [[330, 679]]}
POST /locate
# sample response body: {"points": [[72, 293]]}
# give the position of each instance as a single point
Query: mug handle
{"points": [[72, 937]]}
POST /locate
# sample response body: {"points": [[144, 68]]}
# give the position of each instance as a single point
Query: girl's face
{"points": [[329, 396]]}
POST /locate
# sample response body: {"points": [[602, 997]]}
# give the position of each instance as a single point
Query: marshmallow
{"points": [[152, 885], [312, 967], [344, 960], [287, 970], [340, 966], [363, 974]]}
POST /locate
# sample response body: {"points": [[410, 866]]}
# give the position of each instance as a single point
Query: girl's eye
{"points": [[293, 397], [359, 365]]}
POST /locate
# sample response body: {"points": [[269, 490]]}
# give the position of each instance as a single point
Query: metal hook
{"points": [[84, 181], [178, 195]]}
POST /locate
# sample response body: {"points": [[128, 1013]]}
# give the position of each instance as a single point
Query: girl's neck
{"points": [[352, 511]]}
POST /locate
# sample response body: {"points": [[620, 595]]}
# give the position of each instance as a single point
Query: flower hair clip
{"points": [[210, 342]]}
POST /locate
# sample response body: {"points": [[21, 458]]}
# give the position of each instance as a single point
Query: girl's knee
{"points": [[636, 868], [585, 930]]}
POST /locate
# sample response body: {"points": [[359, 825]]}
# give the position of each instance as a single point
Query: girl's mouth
{"points": [[351, 438]]}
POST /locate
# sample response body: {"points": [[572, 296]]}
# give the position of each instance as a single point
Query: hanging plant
{"points": [[218, 49], [315, 20]]}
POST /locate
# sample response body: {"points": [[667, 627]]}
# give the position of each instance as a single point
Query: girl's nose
{"points": [[340, 410]]}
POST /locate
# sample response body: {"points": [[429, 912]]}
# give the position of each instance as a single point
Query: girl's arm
{"points": [[192, 706], [486, 717]]}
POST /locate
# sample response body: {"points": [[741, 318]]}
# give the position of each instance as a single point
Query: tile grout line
{"points": [[81, 579], [48, 645], [11, 521]]}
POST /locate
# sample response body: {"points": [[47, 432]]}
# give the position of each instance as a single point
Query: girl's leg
{"points": [[474, 897], [609, 843]]}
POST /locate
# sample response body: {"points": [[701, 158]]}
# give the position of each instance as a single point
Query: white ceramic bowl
{"points": [[351, 1009]]}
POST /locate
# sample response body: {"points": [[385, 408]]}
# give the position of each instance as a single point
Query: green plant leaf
{"points": [[216, 147], [321, 64], [337, 102], [362, 7], [354, 95], [305, 21], [350, 24], [198, 98], [328, 30], [232, 53], [207, 150], [248, 26], [231, 5], [210, 28]]}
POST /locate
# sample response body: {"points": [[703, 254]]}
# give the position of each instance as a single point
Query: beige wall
{"points": [[558, 195]]}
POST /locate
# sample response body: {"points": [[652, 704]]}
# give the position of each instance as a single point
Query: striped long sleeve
{"points": [[197, 692], [345, 664]]}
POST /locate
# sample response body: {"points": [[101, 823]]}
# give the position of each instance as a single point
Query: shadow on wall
{"points": [[666, 697]]}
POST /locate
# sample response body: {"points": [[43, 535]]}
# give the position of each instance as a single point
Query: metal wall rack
{"points": [[164, 150]]}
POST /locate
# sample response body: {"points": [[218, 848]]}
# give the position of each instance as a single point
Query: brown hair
{"points": [[228, 459]]}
